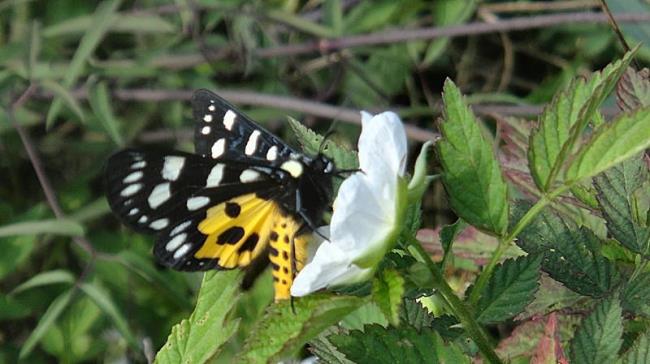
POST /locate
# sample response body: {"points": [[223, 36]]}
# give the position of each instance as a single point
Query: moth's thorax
{"points": [[308, 185]]}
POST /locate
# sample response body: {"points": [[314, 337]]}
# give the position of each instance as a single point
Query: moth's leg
{"points": [[306, 218]]}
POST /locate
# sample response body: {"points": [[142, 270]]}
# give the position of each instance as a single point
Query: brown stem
{"points": [[402, 35]]}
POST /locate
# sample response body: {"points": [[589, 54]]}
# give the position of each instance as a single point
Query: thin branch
{"points": [[35, 160], [530, 6], [302, 106], [617, 30], [398, 36], [252, 98]]}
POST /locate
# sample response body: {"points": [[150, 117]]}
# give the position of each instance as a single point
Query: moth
{"points": [[244, 199]]}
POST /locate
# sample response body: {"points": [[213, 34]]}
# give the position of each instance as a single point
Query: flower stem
{"points": [[504, 242], [474, 330]]}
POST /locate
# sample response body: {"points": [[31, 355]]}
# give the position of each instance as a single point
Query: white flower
{"points": [[367, 210]]}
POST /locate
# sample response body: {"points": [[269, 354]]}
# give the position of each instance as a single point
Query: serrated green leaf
{"points": [[404, 344], [615, 187], [101, 20], [197, 339], [45, 278], [598, 338], [636, 294], [312, 143], [564, 120], [100, 102], [571, 254], [387, 292], [552, 296], [283, 330], [414, 314], [633, 89], [471, 175], [53, 226], [65, 95], [639, 353], [104, 301], [369, 313], [586, 194], [612, 143], [46, 321], [511, 287], [324, 350]]}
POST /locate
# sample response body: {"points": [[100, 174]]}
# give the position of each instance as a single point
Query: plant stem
{"points": [[474, 330], [505, 241]]}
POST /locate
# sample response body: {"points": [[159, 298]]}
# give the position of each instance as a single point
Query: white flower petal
{"points": [[361, 217], [329, 267], [365, 210], [382, 145]]}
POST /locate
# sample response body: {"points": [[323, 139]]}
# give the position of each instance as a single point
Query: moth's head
{"points": [[320, 163]]}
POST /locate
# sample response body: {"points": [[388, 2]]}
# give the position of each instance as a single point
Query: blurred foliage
{"points": [[105, 74]]}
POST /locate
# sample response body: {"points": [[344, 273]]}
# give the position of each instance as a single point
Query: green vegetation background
{"points": [[75, 285]]}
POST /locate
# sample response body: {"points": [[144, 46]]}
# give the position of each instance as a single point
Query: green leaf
{"points": [[446, 13], [197, 339], [598, 338], [53, 226], [333, 16], [387, 292], [615, 187], [633, 89], [46, 321], [283, 330], [370, 15], [104, 301], [612, 143], [564, 120], [369, 313], [101, 21], [552, 296], [34, 48], [312, 143], [420, 180], [636, 294], [414, 314], [404, 344], [12, 309], [471, 175], [65, 95], [324, 350], [45, 278], [300, 23], [639, 353], [101, 104], [448, 234], [511, 287], [571, 254], [124, 23]]}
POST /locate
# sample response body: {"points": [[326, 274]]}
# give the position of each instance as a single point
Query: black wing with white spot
{"points": [[223, 132], [153, 192]]}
